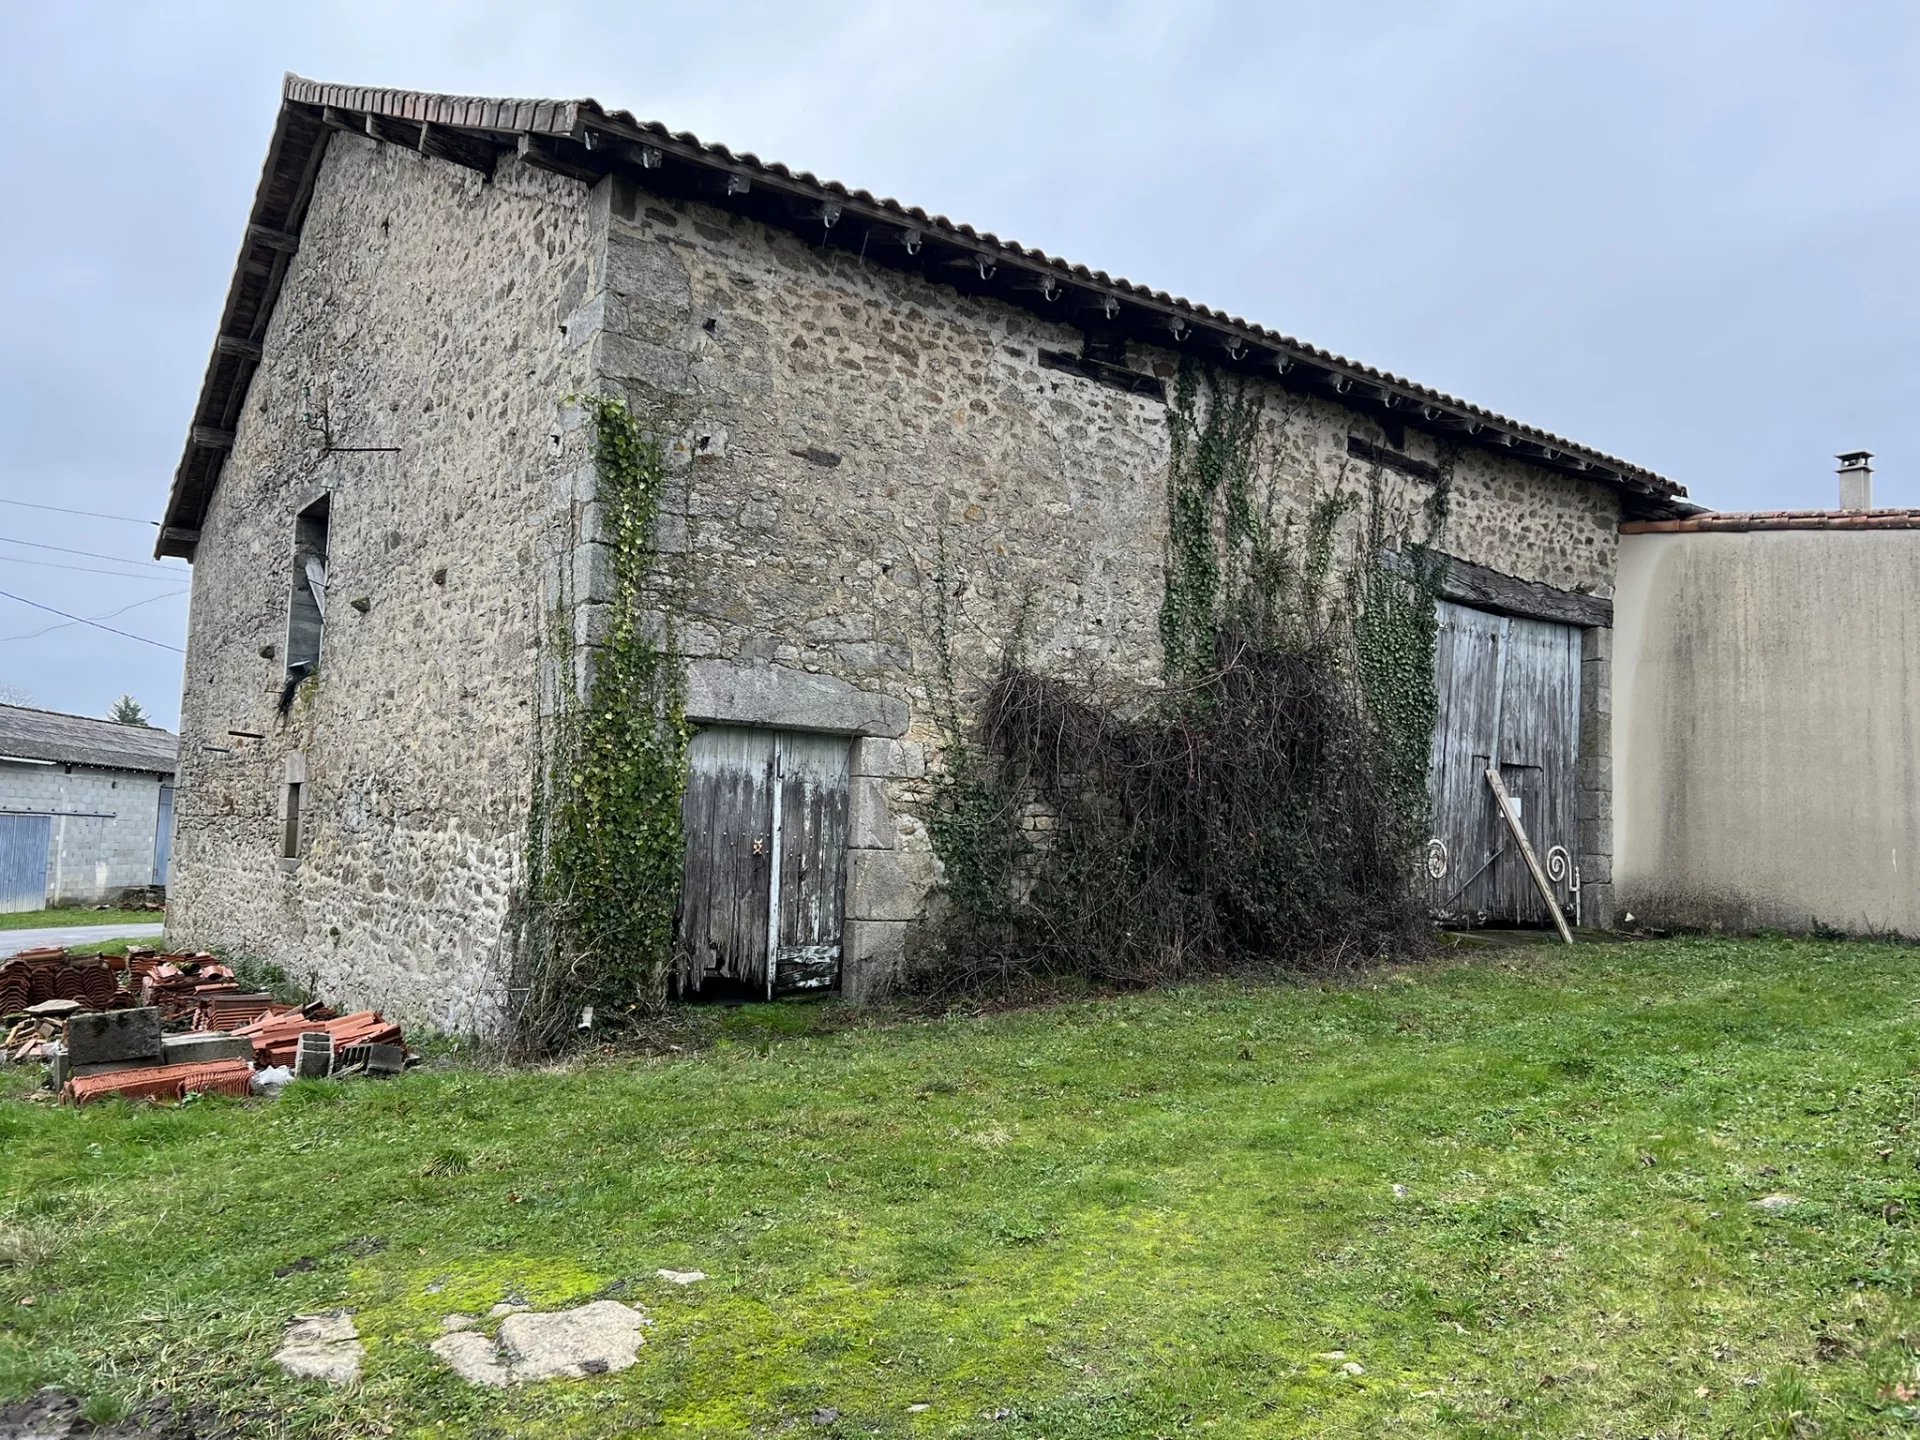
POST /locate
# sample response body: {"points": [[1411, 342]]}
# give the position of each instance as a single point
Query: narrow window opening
{"points": [[307, 601], [290, 834]]}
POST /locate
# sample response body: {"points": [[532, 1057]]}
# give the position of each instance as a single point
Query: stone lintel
{"points": [[730, 693]]}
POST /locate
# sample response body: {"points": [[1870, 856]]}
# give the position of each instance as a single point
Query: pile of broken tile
{"points": [[153, 1026]]}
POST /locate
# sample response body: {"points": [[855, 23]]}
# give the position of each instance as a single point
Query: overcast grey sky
{"points": [[1679, 233]]}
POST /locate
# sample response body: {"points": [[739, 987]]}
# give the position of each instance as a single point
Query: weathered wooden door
{"points": [[762, 899], [25, 843], [1509, 688]]}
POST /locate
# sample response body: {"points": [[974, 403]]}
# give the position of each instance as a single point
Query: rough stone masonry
{"points": [[846, 437]]}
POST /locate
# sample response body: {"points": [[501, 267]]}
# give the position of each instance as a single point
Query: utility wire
{"points": [[91, 554], [62, 510], [84, 569], [108, 615], [82, 620]]}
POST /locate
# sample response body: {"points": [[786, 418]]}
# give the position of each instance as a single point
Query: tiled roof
{"points": [[82, 740], [1777, 520], [584, 139]]}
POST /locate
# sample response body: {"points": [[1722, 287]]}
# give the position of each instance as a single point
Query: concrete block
{"points": [[1596, 804], [114, 1035], [869, 816], [1597, 643], [883, 885], [201, 1046], [894, 759], [873, 956], [1596, 773], [1595, 869]]}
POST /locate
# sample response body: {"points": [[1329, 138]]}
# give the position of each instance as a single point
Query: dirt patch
{"points": [[51, 1415]]}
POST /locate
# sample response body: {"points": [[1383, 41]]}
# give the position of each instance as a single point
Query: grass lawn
{"points": [[71, 916], [1157, 1215]]}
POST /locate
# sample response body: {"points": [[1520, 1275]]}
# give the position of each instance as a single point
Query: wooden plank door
{"points": [[762, 892], [1508, 688], [727, 884], [810, 893], [1539, 749]]}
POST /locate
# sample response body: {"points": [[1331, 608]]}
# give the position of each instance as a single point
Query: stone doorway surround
{"points": [[884, 892]]}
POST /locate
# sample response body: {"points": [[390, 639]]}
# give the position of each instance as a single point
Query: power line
{"points": [[90, 514], [90, 554], [82, 620], [108, 615], [84, 569]]}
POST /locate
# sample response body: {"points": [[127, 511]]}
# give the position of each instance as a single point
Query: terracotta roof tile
{"points": [[1713, 520], [300, 132]]}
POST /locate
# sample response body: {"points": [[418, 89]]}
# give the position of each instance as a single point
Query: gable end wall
{"points": [[422, 312]]}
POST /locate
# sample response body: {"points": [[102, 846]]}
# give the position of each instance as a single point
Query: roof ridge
{"points": [[95, 719], [586, 140]]}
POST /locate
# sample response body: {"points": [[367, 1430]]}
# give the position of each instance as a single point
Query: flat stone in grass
{"points": [[322, 1347], [1774, 1204], [598, 1338]]}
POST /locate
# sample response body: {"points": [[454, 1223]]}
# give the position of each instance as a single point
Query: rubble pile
{"points": [[153, 1026]]}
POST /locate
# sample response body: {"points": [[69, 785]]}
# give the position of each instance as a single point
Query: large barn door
{"points": [[1508, 688], [25, 841], [761, 899]]}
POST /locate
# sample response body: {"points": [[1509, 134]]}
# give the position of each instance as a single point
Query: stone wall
{"points": [[848, 440], [103, 830], [853, 438], [423, 312]]}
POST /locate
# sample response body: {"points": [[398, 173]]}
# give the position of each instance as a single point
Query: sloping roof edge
{"points": [[583, 139], [1711, 521], [55, 736]]}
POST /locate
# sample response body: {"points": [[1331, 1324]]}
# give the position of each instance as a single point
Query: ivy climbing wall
{"points": [[850, 442]]}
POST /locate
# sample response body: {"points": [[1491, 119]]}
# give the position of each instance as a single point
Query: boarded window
{"points": [[307, 602]]}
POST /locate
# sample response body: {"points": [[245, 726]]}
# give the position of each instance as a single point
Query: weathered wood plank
{"points": [[1519, 834], [726, 886], [813, 860], [1486, 589]]}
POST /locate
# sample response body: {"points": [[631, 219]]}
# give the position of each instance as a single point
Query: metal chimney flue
{"points": [[1856, 480]]}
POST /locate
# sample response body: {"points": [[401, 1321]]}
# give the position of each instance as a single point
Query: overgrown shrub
{"points": [[1263, 806]]}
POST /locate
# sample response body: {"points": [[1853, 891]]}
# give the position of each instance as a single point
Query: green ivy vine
{"points": [[605, 844]]}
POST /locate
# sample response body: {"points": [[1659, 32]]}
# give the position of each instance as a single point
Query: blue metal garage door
{"points": [[24, 841]]}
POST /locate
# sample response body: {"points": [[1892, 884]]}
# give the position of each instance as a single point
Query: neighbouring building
{"points": [[388, 498], [86, 808], [1767, 718]]}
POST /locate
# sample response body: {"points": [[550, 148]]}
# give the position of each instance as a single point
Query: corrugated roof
{"points": [[585, 139], [1712, 520], [82, 740]]}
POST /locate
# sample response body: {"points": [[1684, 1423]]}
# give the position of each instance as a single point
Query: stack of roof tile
{"points": [[226, 1010], [177, 982], [35, 976], [276, 1037], [163, 1082]]}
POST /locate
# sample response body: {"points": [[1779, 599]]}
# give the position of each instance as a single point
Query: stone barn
{"points": [[388, 496]]}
